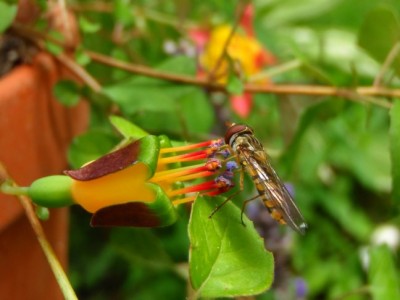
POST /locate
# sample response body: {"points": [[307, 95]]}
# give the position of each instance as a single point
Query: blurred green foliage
{"points": [[342, 157], [334, 152]]}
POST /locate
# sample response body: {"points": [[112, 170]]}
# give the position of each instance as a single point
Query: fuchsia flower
{"points": [[246, 56], [141, 183]]}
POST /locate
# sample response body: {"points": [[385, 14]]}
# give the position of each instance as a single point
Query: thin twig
{"points": [[285, 89], [147, 71], [387, 63], [55, 265], [61, 277], [78, 71]]}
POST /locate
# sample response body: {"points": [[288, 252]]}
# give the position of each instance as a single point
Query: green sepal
{"points": [[164, 141], [52, 191], [127, 129], [162, 206], [149, 152]]}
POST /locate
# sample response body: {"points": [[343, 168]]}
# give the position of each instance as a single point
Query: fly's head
{"points": [[237, 133]]}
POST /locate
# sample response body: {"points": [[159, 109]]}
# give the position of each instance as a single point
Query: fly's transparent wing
{"points": [[276, 192]]}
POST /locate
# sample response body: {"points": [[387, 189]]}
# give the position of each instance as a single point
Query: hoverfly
{"points": [[254, 160]]}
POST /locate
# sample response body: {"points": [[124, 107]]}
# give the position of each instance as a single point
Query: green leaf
{"points": [[226, 258], [235, 85], [179, 65], [127, 129], [138, 94], [55, 48], [123, 12], [395, 149], [88, 26], [321, 110], [42, 4], [148, 251], [81, 57], [90, 146], [195, 111], [382, 274], [163, 107], [137, 97], [339, 206], [67, 92], [7, 15], [379, 33]]}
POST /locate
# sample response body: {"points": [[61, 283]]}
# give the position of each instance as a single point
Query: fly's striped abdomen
{"points": [[259, 183]]}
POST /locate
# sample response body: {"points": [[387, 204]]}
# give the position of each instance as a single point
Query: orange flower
{"points": [[243, 50], [244, 56]]}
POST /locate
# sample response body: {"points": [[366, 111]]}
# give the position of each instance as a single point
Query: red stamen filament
{"points": [[182, 158], [177, 176], [205, 186], [195, 176], [187, 147]]}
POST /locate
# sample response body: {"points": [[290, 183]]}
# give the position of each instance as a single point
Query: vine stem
{"points": [[362, 93], [61, 277]]}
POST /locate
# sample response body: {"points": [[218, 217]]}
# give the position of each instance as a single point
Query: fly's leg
{"points": [[241, 186], [244, 207], [222, 204]]}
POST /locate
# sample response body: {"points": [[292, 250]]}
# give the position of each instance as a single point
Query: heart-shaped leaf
{"points": [[226, 258]]}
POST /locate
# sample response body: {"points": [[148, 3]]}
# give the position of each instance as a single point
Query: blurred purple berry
{"points": [[290, 188], [301, 288]]}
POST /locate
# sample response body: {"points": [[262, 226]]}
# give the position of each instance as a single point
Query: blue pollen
{"points": [[231, 165]]}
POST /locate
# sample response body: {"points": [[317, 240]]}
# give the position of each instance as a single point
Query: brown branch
{"points": [[284, 89], [79, 71], [150, 72]]}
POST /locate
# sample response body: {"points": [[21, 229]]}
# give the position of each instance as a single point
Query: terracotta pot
{"points": [[35, 131]]}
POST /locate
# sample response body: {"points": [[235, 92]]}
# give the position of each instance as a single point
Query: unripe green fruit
{"points": [[52, 191]]}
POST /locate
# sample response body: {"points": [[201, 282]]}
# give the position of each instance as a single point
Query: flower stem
{"points": [[9, 189]]}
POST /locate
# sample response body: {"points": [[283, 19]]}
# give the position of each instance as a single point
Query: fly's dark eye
{"points": [[237, 129]]}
